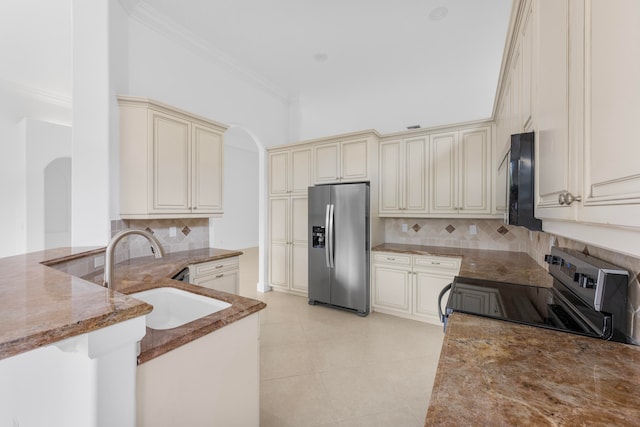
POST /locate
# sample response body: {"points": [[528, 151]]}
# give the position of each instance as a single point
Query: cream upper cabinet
{"points": [[290, 171], [342, 161], [460, 172], [403, 170], [611, 177], [555, 169], [171, 162]]}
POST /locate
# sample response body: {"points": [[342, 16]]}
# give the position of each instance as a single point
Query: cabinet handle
{"points": [[220, 266], [219, 276], [435, 263], [390, 259], [568, 198]]}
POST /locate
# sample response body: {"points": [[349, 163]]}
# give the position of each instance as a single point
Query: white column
{"points": [[91, 92]]}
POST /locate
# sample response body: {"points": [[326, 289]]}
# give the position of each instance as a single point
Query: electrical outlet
{"points": [[98, 261], [172, 231], [473, 230], [405, 228]]}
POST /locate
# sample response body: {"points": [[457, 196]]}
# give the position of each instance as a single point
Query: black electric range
{"points": [[588, 297]]}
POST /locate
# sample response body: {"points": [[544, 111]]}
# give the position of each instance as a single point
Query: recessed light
{"points": [[438, 13], [321, 57]]}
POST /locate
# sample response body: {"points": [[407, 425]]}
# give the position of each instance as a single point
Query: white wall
{"points": [[16, 103], [44, 142], [91, 124], [171, 72], [238, 229]]}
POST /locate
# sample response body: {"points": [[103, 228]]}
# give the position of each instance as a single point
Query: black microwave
{"points": [[520, 191]]}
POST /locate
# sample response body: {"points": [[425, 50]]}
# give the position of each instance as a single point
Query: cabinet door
{"points": [[171, 139], [391, 177], [327, 163], [611, 192], [301, 170], [279, 173], [555, 167], [279, 238], [354, 160], [415, 184], [475, 175], [526, 69], [299, 244], [391, 289], [501, 185], [208, 170], [427, 287], [444, 180]]}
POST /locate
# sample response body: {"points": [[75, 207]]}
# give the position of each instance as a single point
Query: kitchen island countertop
{"points": [[496, 373]]}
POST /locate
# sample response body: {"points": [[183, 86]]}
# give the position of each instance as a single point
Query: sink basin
{"points": [[174, 307]]}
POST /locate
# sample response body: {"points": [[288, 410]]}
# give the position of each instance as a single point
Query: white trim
{"points": [[147, 15], [43, 95]]}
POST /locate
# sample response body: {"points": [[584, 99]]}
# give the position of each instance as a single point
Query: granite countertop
{"points": [[40, 305], [140, 274], [496, 373], [504, 266]]}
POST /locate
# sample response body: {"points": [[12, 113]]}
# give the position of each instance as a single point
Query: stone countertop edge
{"points": [[40, 305], [501, 373], [504, 266]]}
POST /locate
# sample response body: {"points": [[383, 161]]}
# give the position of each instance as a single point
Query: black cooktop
{"points": [[550, 308]]}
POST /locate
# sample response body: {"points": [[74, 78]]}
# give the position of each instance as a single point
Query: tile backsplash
{"points": [[189, 234], [457, 233]]}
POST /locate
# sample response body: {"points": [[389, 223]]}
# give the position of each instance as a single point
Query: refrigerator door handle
{"points": [[326, 239], [331, 248]]}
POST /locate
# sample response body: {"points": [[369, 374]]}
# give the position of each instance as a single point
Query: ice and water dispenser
{"points": [[318, 236]]}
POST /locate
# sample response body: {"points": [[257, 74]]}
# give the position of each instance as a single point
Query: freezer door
{"points": [[350, 275], [319, 270]]}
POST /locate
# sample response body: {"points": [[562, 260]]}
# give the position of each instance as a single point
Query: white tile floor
{"points": [[325, 367]]}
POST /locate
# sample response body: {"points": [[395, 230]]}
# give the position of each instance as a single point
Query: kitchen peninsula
{"points": [[54, 327]]}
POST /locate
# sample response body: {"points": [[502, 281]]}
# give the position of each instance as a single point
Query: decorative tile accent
{"points": [[416, 227], [186, 230], [502, 230], [450, 228]]}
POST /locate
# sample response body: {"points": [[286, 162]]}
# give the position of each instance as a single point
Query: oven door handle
{"points": [[440, 313]]}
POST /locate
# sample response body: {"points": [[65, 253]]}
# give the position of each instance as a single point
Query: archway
{"points": [[246, 174]]}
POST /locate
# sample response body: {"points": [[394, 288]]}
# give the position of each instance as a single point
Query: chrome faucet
{"points": [[109, 263]]}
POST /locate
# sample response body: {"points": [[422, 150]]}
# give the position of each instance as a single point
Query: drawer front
{"points": [[431, 262], [210, 267], [392, 258], [225, 281]]}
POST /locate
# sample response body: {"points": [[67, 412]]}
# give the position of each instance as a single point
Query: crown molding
{"points": [[151, 18], [43, 95]]}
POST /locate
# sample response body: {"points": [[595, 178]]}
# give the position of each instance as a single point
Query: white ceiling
{"points": [[390, 48]]}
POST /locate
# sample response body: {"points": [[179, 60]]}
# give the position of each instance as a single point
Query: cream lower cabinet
{"points": [[288, 249], [403, 177], [409, 285], [171, 162], [460, 180], [222, 275]]}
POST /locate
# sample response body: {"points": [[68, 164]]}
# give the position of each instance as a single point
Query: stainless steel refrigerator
{"points": [[339, 246]]}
